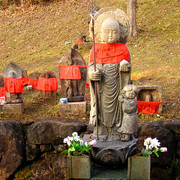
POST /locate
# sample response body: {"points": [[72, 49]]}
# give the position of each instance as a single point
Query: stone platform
{"points": [[73, 107], [16, 108]]}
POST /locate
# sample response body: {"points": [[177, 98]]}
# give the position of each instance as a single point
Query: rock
{"points": [[173, 126], [32, 151], [45, 147], [53, 130], [11, 147], [165, 137], [60, 147]]}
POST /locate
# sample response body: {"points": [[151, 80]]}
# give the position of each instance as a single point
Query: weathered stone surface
{"points": [[11, 147], [73, 107], [53, 130], [165, 137], [173, 126], [32, 151], [17, 108]]}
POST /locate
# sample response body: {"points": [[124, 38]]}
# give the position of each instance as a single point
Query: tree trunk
{"points": [[131, 12]]}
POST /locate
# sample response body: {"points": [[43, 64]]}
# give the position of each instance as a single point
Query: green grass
{"points": [[34, 37]]}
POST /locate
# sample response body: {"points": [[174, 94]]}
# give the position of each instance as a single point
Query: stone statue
{"points": [[113, 107], [73, 72], [129, 107], [13, 93], [112, 74]]}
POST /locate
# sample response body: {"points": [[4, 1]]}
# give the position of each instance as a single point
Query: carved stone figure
{"points": [[73, 72], [113, 114], [112, 74], [48, 85], [13, 75], [129, 107]]}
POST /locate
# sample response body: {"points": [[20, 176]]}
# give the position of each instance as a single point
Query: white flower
{"points": [[93, 142], [147, 143], [155, 143], [81, 142], [69, 143], [65, 140], [77, 138], [86, 144], [74, 134]]}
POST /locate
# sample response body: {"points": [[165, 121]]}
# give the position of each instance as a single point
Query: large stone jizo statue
{"points": [[114, 118]]}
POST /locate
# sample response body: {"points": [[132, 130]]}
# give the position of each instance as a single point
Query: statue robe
{"points": [[108, 58]]}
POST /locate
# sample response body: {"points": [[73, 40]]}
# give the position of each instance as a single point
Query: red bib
{"points": [[148, 107], [48, 84], [13, 85], [109, 53]]}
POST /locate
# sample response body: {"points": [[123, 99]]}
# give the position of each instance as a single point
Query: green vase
{"points": [[79, 167], [139, 167]]}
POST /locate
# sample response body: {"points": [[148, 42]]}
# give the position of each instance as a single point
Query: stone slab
{"points": [[73, 107], [17, 108]]}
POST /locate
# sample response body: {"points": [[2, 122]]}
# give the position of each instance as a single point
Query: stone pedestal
{"points": [[73, 107], [17, 108], [112, 154]]}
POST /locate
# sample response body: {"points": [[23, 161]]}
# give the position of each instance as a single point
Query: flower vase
{"points": [[139, 167], [79, 167]]}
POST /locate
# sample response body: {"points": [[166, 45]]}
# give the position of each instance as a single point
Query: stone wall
{"points": [[40, 143]]}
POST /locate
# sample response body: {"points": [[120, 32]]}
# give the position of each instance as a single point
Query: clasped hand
{"points": [[95, 75]]}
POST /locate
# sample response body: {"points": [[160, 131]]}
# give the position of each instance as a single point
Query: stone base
{"points": [[73, 107], [17, 108], [75, 99], [112, 153]]}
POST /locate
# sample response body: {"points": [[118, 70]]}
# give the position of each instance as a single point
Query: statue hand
{"points": [[95, 75], [124, 66]]}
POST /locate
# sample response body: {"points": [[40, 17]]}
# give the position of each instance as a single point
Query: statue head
{"points": [[110, 31], [130, 91]]}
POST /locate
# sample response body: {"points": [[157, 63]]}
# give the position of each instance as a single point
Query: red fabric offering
{"points": [[33, 82], [148, 107], [79, 41], [13, 85], [109, 53], [70, 72], [2, 92], [48, 84], [25, 80]]}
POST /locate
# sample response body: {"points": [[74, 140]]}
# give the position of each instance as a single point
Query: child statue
{"points": [[111, 75], [129, 107]]}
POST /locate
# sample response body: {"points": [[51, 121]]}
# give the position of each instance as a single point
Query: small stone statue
{"points": [[73, 72], [129, 107]]}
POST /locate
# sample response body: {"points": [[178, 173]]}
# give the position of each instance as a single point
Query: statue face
{"points": [[110, 32], [130, 94]]}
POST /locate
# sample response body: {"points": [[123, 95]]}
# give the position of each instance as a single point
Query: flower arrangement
{"points": [[152, 146], [76, 145]]}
